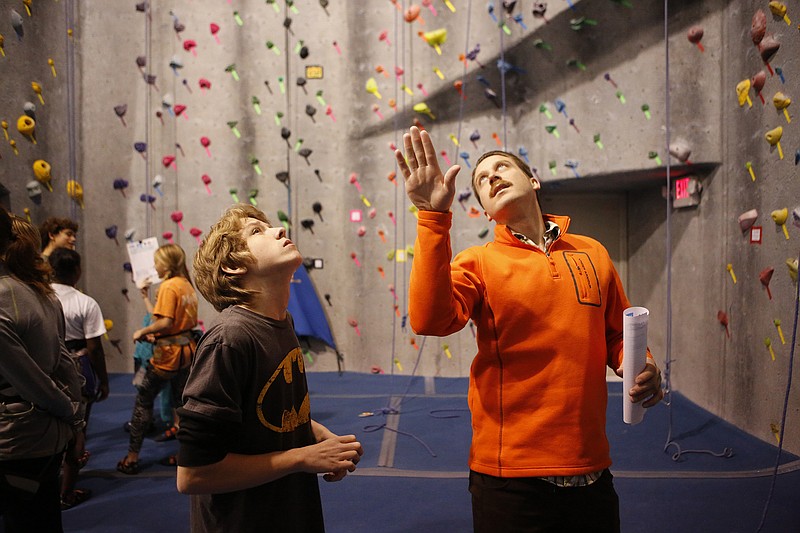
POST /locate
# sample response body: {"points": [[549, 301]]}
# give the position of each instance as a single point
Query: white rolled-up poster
{"points": [[634, 359]]}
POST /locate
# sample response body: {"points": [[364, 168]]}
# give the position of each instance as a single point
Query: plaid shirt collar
{"points": [[551, 233]]}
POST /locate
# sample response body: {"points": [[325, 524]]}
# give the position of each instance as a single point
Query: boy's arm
{"points": [[210, 420], [93, 329], [97, 356], [322, 433], [335, 455]]}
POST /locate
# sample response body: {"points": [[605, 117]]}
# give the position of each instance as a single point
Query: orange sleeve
{"points": [[441, 296], [166, 301]]}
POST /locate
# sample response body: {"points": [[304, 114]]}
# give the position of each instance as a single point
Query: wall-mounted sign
{"points": [[314, 72], [755, 235]]}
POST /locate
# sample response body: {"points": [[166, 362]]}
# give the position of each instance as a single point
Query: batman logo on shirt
{"points": [[283, 377]]}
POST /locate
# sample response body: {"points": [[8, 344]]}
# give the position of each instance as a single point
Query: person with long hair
{"points": [[175, 314], [40, 397]]}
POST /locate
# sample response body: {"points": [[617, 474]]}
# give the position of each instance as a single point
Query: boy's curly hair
{"points": [[54, 226], [224, 246]]}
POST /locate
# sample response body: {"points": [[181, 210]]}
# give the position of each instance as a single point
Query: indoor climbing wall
{"points": [[34, 147], [737, 358], [160, 115], [567, 87]]}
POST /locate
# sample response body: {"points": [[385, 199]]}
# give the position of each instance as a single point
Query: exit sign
{"points": [[687, 192], [682, 188]]}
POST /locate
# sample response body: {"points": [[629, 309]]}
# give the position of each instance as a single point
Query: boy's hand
{"points": [[80, 445], [334, 457], [103, 391], [426, 187], [322, 433], [330, 477]]}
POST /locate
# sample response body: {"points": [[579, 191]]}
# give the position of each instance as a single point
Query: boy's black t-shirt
{"points": [[247, 394]]}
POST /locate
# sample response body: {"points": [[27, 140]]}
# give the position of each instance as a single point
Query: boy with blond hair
{"points": [[250, 452]]}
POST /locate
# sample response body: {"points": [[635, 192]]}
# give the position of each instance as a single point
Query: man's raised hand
{"points": [[426, 187]]}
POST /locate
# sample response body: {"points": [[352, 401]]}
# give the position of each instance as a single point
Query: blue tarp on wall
{"points": [[306, 309]]}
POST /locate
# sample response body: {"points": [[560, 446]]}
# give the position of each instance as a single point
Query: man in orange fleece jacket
{"points": [[548, 310]]}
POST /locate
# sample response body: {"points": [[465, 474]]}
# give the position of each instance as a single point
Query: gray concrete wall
{"points": [[44, 36], [733, 377], [746, 385]]}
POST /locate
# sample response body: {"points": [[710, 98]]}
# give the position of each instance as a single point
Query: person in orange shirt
{"points": [[547, 306], [175, 314]]}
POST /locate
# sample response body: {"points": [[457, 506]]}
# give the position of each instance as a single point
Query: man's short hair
{"points": [[54, 226], [522, 165], [224, 246], [66, 264]]}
